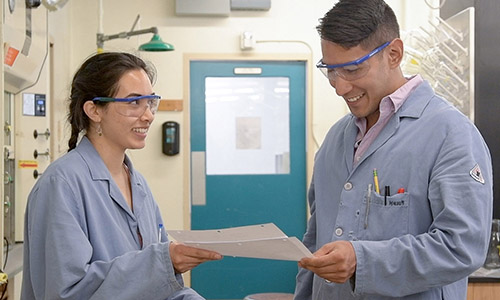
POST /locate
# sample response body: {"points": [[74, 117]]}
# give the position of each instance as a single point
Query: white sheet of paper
{"points": [[256, 241]]}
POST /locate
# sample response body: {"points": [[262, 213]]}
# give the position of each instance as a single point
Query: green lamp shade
{"points": [[156, 44]]}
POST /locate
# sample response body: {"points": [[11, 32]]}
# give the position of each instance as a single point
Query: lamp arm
{"points": [[101, 38]]}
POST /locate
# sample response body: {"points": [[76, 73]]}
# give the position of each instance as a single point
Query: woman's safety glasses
{"points": [[133, 106], [351, 70]]}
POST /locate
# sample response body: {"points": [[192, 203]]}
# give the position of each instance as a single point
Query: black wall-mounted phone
{"points": [[170, 137]]}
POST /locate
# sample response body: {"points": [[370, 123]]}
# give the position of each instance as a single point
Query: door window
{"points": [[247, 125]]}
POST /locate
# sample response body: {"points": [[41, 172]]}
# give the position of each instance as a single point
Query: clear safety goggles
{"points": [[133, 106], [350, 70]]}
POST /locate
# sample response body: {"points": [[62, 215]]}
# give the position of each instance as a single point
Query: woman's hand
{"points": [[185, 258]]}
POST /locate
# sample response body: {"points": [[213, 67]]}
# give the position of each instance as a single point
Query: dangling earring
{"points": [[99, 130]]}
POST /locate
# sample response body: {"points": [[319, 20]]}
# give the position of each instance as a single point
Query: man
{"points": [[401, 196]]}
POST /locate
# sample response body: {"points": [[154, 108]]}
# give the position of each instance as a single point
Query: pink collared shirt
{"points": [[389, 105]]}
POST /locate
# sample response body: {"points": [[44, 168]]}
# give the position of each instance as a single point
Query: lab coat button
{"points": [[348, 186], [339, 231]]}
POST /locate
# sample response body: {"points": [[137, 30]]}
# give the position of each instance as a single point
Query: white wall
{"points": [[74, 33]]}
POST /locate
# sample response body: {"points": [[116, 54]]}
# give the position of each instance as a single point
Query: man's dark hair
{"points": [[350, 23]]}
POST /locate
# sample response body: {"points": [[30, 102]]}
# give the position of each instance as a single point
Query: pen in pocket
{"points": [[160, 228], [375, 181], [387, 194], [368, 200]]}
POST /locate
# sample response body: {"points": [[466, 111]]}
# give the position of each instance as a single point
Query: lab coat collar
{"points": [[97, 168], [99, 171], [413, 107], [350, 133]]}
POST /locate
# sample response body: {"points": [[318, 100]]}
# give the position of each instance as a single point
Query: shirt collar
{"points": [[391, 103], [400, 95]]}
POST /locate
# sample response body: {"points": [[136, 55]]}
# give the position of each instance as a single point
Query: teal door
{"points": [[248, 160]]}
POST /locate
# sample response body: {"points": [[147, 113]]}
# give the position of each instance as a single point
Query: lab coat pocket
{"points": [[385, 218]]}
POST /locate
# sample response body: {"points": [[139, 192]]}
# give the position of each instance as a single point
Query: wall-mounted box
{"points": [[203, 7], [250, 4]]}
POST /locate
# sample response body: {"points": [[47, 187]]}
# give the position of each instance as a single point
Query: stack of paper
{"points": [[256, 241]]}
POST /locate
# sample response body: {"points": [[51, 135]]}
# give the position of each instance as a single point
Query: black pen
{"points": [[387, 194]]}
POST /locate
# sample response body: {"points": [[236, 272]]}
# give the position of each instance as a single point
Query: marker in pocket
{"points": [[387, 194]]}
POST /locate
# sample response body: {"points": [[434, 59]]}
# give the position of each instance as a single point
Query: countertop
{"points": [[485, 275]]}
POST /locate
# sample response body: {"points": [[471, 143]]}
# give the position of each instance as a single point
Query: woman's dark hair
{"points": [[98, 77], [368, 23]]}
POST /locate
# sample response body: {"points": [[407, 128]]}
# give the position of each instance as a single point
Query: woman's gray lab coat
{"points": [[81, 238]]}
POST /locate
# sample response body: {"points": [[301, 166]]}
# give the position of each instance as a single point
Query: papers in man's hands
{"points": [[256, 241]]}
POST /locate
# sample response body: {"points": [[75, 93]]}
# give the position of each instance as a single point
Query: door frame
{"points": [[185, 132]]}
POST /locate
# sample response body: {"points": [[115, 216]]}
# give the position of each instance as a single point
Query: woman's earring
{"points": [[99, 130]]}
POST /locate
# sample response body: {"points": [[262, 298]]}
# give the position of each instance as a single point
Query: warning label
{"points": [[10, 56], [28, 164]]}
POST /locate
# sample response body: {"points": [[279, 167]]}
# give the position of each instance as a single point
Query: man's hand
{"points": [[334, 261], [185, 258]]}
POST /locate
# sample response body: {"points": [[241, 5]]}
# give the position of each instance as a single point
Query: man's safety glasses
{"points": [[351, 70], [133, 106]]}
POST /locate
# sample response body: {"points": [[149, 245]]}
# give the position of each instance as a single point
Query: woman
{"points": [[92, 227]]}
